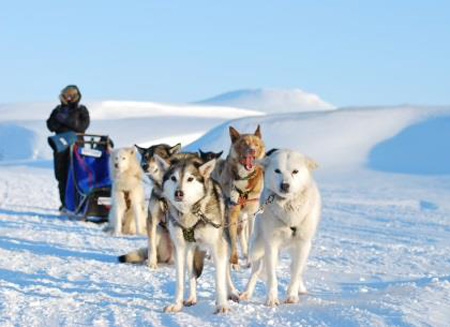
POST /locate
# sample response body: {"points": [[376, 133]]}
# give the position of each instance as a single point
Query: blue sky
{"points": [[347, 52]]}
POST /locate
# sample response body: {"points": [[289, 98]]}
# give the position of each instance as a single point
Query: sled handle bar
{"points": [[103, 139]]}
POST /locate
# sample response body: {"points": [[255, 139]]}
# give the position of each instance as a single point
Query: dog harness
{"points": [[188, 233], [243, 197], [126, 195], [269, 200]]}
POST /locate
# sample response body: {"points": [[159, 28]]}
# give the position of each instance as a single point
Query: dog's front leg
{"points": [[250, 288], [243, 237], [117, 213], [152, 223], [299, 255], [257, 263], [180, 252], [139, 212], [233, 227], [219, 254], [192, 299], [271, 250]]}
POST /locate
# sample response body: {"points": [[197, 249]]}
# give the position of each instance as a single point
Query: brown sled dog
{"points": [[242, 183]]}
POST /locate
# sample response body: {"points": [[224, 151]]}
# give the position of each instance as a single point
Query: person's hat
{"points": [[70, 94]]}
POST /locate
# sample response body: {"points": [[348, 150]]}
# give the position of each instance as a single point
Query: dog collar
{"points": [[268, 201], [249, 176]]}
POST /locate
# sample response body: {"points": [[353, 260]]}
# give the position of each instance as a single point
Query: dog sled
{"points": [[88, 188]]}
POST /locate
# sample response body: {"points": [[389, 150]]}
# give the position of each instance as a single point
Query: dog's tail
{"points": [[199, 258], [138, 256]]}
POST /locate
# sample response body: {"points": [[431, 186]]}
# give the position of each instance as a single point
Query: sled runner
{"points": [[88, 187]]}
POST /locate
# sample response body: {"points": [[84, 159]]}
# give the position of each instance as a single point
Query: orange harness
{"points": [[243, 197]]}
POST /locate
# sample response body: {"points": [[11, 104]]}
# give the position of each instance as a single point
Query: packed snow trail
{"points": [[380, 258]]}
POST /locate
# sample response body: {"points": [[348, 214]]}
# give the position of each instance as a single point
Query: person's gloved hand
{"points": [[62, 116]]}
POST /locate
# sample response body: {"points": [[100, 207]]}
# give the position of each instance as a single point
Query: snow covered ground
{"points": [[380, 258]]}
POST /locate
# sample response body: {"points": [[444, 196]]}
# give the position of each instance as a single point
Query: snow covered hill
{"points": [[271, 100], [351, 138]]}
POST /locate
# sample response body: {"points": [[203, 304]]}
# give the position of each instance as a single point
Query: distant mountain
{"points": [[271, 100]]}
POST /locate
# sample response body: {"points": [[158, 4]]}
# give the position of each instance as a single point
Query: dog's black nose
{"points": [[284, 187], [179, 195], [145, 167], [116, 166]]}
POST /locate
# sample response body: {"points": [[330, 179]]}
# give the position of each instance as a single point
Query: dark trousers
{"points": [[61, 162]]}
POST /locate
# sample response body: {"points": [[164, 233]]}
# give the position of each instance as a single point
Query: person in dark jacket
{"points": [[68, 116]]}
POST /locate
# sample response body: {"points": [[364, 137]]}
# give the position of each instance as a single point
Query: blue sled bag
{"points": [[62, 141]]}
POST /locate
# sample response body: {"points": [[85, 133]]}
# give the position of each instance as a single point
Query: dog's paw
{"points": [[152, 264], [272, 302], [291, 299], [234, 259], [235, 267], [173, 308], [221, 309], [302, 289], [190, 301], [234, 296], [245, 295]]}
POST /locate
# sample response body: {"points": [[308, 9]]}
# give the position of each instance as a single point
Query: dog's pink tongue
{"points": [[248, 162]]}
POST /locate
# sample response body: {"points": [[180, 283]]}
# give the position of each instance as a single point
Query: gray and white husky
{"points": [[292, 206], [159, 249], [196, 218]]}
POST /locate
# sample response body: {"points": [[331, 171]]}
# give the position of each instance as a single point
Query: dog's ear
{"points": [[268, 153], [141, 150], [263, 162], [133, 150], [161, 163], [207, 168], [311, 164], [258, 132], [234, 134], [201, 153], [175, 149], [219, 154]]}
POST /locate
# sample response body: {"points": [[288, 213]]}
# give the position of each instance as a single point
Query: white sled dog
{"points": [[127, 214], [196, 217], [292, 206]]}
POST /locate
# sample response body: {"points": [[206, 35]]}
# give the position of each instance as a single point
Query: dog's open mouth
{"points": [[248, 162]]}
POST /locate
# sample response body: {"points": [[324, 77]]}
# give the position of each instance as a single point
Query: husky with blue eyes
{"points": [[196, 220], [292, 205]]}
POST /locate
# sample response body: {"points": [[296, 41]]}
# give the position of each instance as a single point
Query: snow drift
{"points": [[344, 138], [271, 100], [422, 148]]}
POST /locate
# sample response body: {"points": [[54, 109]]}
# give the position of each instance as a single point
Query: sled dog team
{"points": [[203, 206]]}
